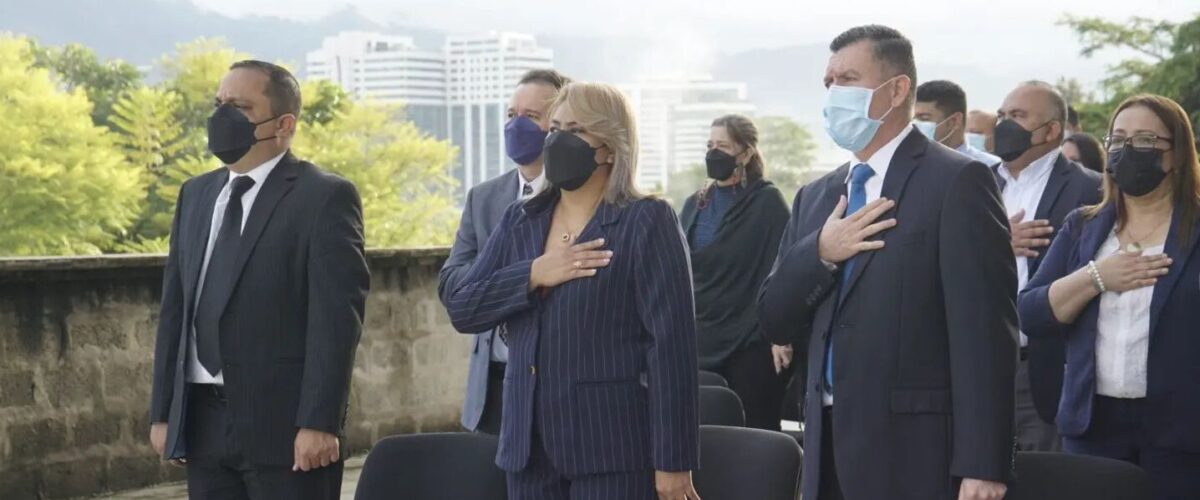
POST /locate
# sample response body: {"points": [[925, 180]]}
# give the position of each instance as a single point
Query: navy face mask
{"points": [[231, 134], [523, 140]]}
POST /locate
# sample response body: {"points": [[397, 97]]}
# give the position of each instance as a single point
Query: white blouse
{"points": [[1123, 340]]}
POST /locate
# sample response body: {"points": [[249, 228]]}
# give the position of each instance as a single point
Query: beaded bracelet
{"points": [[1094, 272]]}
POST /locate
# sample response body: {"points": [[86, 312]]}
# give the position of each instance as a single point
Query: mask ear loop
{"points": [[955, 129]]}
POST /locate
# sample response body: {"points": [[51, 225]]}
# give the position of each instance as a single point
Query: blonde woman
{"points": [[590, 280]]}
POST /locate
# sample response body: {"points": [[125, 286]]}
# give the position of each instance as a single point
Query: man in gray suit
{"points": [[524, 134]]}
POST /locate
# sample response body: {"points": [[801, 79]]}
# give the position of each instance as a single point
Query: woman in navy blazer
{"points": [[1122, 283], [590, 283]]}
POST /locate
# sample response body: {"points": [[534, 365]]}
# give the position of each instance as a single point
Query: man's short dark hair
{"points": [[888, 46], [282, 89], [945, 95], [545, 77], [1072, 116]]}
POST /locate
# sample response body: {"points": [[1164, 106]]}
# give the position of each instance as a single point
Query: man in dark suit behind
{"points": [[262, 307], [524, 135], [897, 274], [1040, 186]]}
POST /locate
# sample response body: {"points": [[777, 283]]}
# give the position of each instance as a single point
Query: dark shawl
{"points": [[728, 272]]}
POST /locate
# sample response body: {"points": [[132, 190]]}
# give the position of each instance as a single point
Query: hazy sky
{"points": [[1016, 37]]}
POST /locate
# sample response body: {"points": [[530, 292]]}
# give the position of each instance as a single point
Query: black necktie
{"points": [[526, 190], [219, 278]]}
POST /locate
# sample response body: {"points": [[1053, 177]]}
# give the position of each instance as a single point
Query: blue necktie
{"points": [[858, 198]]}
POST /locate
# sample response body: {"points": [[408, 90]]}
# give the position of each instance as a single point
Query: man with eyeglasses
{"points": [[1040, 187]]}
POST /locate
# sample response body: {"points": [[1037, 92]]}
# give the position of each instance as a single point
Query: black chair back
{"points": [[1061, 476], [712, 378], [721, 406], [446, 466], [737, 463]]}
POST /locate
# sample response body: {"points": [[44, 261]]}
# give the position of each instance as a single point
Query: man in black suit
{"points": [[1040, 186], [262, 307], [897, 274]]}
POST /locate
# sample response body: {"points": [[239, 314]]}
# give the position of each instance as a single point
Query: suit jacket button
{"points": [[532, 370]]}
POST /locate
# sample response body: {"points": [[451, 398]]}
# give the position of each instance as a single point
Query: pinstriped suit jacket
{"points": [[603, 369]]}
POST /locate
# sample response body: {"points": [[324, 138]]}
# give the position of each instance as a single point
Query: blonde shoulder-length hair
{"points": [[604, 112]]}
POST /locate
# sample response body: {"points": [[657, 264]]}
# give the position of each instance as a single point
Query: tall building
{"points": [[481, 73], [674, 117], [386, 69], [459, 92]]}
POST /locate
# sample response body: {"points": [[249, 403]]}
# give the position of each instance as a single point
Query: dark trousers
{"points": [[830, 489], [1116, 432], [217, 470], [540, 481], [1033, 433], [493, 406], [751, 374]]}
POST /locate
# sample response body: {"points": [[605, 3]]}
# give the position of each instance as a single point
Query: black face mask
{"points": [[569, 160], [1136, 172], [1012, 140], [720, 164], [231, 134]]}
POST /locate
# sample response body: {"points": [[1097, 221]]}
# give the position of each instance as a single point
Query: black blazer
{"points": [[1070, 186], [292, 319], [925, 339]]}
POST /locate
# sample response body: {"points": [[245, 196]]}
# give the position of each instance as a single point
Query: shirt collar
{"points": [[1040, 167], [260, 173], [880, 161], [537, 183]]}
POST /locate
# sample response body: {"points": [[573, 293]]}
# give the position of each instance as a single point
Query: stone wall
{"points": [[76, 347]]}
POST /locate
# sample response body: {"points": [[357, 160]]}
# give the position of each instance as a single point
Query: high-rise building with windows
{"points": [[460, 92], [674, 117], [482, 71]]}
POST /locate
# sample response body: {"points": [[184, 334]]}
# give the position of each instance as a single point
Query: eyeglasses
{"points": [[1138, 141]]}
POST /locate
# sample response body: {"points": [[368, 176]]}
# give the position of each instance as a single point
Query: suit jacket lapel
{"points": [[531, 230], [1174, 248], [999, 178], [904, 162], [278, 184], [198, 242], [1054, 186]]}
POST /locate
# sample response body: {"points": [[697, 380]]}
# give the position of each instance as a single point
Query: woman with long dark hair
{"points": [[1122, 282], [734, 224]]}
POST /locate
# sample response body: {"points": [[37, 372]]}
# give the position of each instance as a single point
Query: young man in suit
{"points": [[262, 307], [524, 135], [1040, 186], [897, 273]]}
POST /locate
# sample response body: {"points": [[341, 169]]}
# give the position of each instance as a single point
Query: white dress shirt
{"points": [[535, 185], [196, 374], [879, 162], [1123, 335], [980, 156], [1025, 193]]}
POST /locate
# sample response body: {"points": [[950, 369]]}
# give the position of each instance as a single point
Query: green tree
{"points": [[77, 66], [152, 141], [401, 174], [684, 183], [789, 150], [67, 190], [324, 101], [1167, 62]]}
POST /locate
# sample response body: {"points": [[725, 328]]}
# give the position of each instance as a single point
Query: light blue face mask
{"points": [[977, 141], [847, 116], [930, 128]]}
